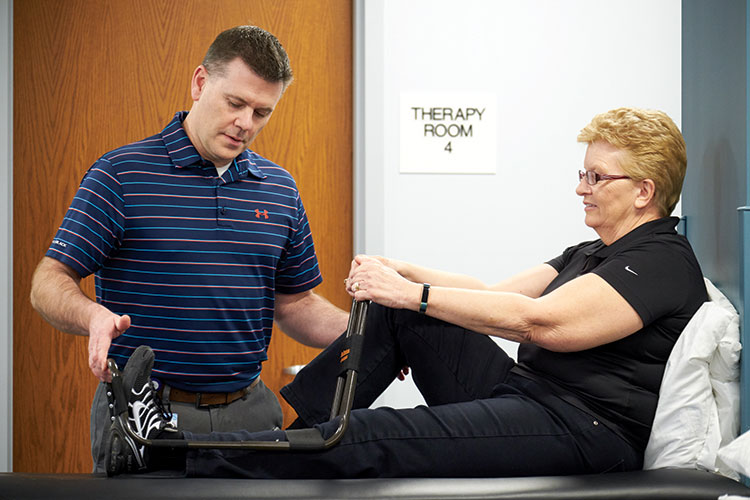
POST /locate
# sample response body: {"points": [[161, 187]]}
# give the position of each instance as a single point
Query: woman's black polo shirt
{"points": [[656, 271]]}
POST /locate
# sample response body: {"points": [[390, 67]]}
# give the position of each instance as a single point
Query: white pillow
{"points": [[698, 409], [737, 454]]}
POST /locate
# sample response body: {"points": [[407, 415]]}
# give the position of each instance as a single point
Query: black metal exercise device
{"points": [[297, 439]]}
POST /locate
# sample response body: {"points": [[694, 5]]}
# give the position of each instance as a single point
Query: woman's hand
{"points": [[383, 260], [372, 278]]}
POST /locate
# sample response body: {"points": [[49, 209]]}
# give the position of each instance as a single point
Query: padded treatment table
{"points": [[677, 484]]}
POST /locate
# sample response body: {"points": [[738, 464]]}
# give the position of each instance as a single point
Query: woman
{"points": [[595, 326]]}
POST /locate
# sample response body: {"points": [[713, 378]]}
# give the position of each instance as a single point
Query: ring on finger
{"points": [[356, 286]]}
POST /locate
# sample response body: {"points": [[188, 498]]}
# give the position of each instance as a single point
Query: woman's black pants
{"points": [[481, 419]]}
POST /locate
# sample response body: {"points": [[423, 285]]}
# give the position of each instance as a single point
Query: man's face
{"points": [[229, 110]]}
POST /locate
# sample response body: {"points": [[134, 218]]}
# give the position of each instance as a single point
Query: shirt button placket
{"points": [[221, 209]]}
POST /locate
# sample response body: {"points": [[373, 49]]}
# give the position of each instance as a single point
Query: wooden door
{"points": [[92, 75]]}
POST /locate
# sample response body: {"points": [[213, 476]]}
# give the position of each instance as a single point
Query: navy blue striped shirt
{"points": [[193, 258]]}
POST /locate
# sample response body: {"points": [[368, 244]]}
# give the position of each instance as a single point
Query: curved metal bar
{"points": [[341, 408]]}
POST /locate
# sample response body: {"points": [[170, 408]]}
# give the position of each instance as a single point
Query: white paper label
{"points": [[448, 133]]}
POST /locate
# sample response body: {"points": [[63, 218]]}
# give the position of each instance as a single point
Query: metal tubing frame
{"points": [[341, 408]]}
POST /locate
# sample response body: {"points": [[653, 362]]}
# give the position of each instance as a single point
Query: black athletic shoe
{"points": [[146, 416]]}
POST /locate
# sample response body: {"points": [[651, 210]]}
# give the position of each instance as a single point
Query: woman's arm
{"points": [[583, 313], [531, 282]]}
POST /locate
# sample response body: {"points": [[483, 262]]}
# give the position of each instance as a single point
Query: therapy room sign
{"points": [[448, 133]]}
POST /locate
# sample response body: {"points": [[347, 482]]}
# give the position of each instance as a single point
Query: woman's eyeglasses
{"points": [[592, 177]]}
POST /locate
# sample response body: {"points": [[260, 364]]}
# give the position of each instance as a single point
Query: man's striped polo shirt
{"points": [[194, 259]]}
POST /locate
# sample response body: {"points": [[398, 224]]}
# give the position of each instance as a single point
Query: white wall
{"points": [[552, 66], [6, 235]]}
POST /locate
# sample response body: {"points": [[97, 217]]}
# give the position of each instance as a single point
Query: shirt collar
{"points": [[662, 225], [183, 153]]}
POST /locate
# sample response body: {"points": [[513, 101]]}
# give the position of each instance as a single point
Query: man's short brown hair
{"points": [[259, 49]]}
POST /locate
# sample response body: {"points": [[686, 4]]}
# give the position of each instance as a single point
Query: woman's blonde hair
{"points": [[653, 145]]}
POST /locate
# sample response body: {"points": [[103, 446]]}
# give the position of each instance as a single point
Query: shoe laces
{"points": [[165, 411], [147, 412]]}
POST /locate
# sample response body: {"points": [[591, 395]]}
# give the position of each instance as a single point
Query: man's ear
{"points": [[200, 75], [646, 193]]}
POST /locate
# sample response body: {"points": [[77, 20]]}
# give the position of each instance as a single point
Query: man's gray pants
{"points": [[257, 410]]}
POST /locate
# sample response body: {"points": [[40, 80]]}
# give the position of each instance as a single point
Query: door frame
{"points": [[6, 236]]}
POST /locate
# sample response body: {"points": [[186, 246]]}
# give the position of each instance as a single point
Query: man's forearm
{"points": [[310, 319], [57, 297]]}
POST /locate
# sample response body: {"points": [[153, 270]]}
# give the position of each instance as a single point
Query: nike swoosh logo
{"points": [[627, 268]]}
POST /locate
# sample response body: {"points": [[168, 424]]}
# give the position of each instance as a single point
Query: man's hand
{"points": [[103, 328]]}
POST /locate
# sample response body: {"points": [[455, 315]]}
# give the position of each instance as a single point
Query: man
{"points": [[198, 244]]}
